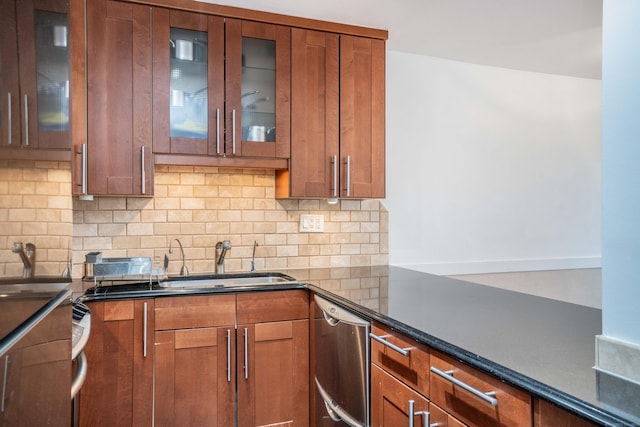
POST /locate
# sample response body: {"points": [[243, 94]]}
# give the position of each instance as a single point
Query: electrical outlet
{"points": [[311, 223]]}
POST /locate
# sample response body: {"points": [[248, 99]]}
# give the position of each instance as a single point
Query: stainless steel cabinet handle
{"points": [[347, 164], [144, 335], [144, 177], [228, 355], [4, 382], [402, 351], [81, 375], [246, 353], [486, 396], [334, 183], [9, 130], [412, 414], [26, 119], [233, 131], [84, 169], [217, 131]]}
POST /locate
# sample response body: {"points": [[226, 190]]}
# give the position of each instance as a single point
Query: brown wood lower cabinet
{"points": [[273, 359], [194, 358], [548, 415], [194, 346], [390, 401], [273, 374], [119, 384]]}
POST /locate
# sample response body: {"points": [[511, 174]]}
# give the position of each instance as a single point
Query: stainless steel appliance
{"points": [[341, 366]]}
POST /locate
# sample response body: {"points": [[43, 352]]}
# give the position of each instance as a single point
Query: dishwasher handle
{"points": [[336, 413], [334, 314]]}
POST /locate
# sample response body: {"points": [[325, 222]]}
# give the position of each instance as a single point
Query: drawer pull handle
{"points": [[486, 396], [413, 413], [228, 355], [9, 118], [246, 353], [402, 351], [145, 324]]}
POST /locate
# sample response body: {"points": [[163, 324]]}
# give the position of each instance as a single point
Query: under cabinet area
{"points": [[35, 79]]}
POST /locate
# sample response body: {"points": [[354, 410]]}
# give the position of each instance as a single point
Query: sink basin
{"points": [[226, 280]]}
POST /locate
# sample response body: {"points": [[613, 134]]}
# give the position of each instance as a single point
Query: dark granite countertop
{"points": [[544, 346]]}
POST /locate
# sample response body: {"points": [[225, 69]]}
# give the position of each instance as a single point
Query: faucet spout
{"points": [[183, 270], [221, 251], [28, 256]]}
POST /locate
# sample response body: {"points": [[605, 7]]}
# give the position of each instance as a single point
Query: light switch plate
{"points": [[311, 223]]}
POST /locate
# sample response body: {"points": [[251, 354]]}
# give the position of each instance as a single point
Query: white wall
{"points": [[490, 169]]}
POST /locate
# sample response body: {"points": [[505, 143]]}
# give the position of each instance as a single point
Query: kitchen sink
{"points": [[226, 280]]}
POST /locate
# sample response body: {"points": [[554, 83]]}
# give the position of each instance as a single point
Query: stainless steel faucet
{"points": [[253, 257], [28, 257], [183, 270], [221, 251]]}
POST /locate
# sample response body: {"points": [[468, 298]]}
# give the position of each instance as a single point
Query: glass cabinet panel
{"points": [[188, 84], [258, 90], [52, 70]]}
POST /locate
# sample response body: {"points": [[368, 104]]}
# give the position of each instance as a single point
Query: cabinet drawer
{"points": [[261, 307], [393, 403], [194, 311], [412, 369], [512, 406], [548, 415]]}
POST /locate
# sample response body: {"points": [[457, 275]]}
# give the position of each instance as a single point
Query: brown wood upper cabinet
{"points": [[220, 86], [117, 156], [338, 117], [35, 77]]}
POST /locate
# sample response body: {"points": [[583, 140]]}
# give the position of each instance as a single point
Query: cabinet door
{"points": [[273, 374], [392, 401], [257, 86], [314, 114], [35, 79], [188, 83], [194, 383], [119, 106], [9, 76], [118, 390], [362, 117]]}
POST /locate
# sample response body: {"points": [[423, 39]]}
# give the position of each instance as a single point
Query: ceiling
{"points": [[548, 36]]}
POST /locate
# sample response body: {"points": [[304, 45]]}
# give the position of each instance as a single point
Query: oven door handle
{"points": [[81, 375], [335, 411]]}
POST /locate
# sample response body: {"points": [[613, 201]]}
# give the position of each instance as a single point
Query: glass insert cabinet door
{"points": [[257, 89], [188, 83], [35, 107]]}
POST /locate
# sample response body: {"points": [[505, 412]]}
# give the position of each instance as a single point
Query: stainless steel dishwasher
{"points": [[341, 366]]}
